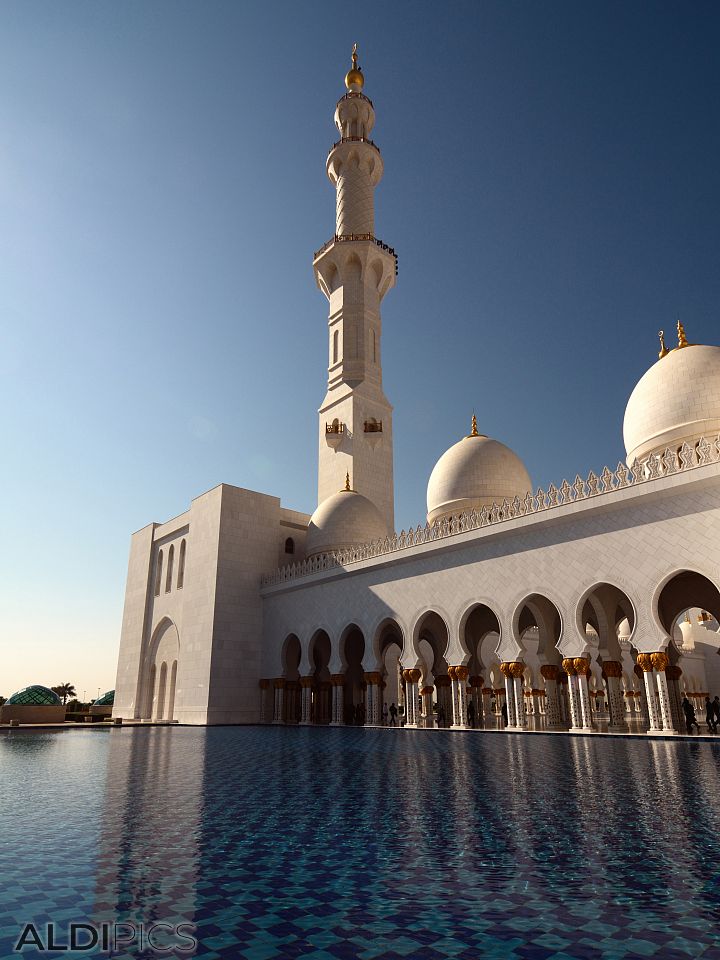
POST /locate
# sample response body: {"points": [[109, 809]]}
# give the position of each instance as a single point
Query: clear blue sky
{"points": [[551, 186]]}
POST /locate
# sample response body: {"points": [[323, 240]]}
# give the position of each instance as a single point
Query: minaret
{"points": [[355, 270]]}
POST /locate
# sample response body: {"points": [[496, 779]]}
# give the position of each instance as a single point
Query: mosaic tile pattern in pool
{"points": [[351, 843]]}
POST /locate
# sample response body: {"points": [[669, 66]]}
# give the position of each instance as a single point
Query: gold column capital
{"points": [[660, 661], [644, 661], [549, 671], [612, 668], [582, 665]]}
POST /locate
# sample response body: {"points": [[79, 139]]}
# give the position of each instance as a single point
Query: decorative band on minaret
{"points": [[355, 270]]}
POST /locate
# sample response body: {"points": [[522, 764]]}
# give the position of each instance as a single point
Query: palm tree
{"points": [[64, 690]]}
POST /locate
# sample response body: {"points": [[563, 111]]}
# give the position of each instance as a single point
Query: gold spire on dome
{"points": [[663, 349], [682, 339], [473, 427], [347, 488], [354, 80]]}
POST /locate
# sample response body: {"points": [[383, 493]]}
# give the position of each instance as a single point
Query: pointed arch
{"points": [[181, 564], [170, 564]]}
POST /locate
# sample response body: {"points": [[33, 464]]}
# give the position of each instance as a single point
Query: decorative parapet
{"points": [[689, 456]]}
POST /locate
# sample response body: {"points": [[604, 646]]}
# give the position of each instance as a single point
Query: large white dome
{"points": [[344, 520], [677, 399], [476, 472]]}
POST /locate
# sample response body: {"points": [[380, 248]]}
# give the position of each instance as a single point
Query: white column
{"points": [[264, 686], [279, 711], [454, 697], [661, 660], [338, 700], [519, 689], [562, 692], [549, 673], [510, 701], [573, 697], [459, 678], [584, 698], [616, 707], [411, 697], [306, 687], [649, 675]]}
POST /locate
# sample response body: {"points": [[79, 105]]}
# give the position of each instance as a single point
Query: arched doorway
{"points": [[607, 617], [543, 700], [160, 673], [431, 642], [321, 696], [688, 608], [352, 651], [291, 675], [480, 632], [388, 646]]}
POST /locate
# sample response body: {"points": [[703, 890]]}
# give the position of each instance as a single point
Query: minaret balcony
{"points": [[355, 95], [342, 140], [353, 237], [334, 433]]}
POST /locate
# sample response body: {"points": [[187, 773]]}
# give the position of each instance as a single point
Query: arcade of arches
{"points": [[612, 686]]}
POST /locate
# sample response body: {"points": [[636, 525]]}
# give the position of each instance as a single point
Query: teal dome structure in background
{"points": [[34, 704], [106, 700], [34, 696]]}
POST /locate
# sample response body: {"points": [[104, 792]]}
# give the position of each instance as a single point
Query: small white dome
{"points": [[623, 630], [475, 473], [344, 520], [678, 399]]}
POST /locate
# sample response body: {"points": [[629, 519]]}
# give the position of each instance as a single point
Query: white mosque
{"points": [[592, 605]]}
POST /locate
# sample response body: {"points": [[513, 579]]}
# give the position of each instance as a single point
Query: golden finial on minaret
{"points": [[354, 80], [682, 339], [473, 427], [663, 349], [347, 483]]}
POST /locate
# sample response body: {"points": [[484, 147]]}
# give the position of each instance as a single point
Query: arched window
{"points": [[158, 574], [289, 545], [171, 563], [336, 346], [181, 565]]}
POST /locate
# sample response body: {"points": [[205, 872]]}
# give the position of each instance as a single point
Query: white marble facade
{"points": [[590, 605]]}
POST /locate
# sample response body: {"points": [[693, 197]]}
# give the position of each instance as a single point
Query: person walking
{"points": [[471, 713], [710, 715], [393, 715], [385, 715], [504, 714], [690, 720], [716, 708]]}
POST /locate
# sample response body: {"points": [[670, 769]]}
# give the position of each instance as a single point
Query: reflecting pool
{"points": [[342, 843]]}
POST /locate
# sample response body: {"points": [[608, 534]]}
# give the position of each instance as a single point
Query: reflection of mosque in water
{"points": [[148, 865]]}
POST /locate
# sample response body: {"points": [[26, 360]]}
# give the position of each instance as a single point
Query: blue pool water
{"points": [[352, 843]]}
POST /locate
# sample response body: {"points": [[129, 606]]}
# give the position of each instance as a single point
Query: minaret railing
{"points": [[346, 237]]}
